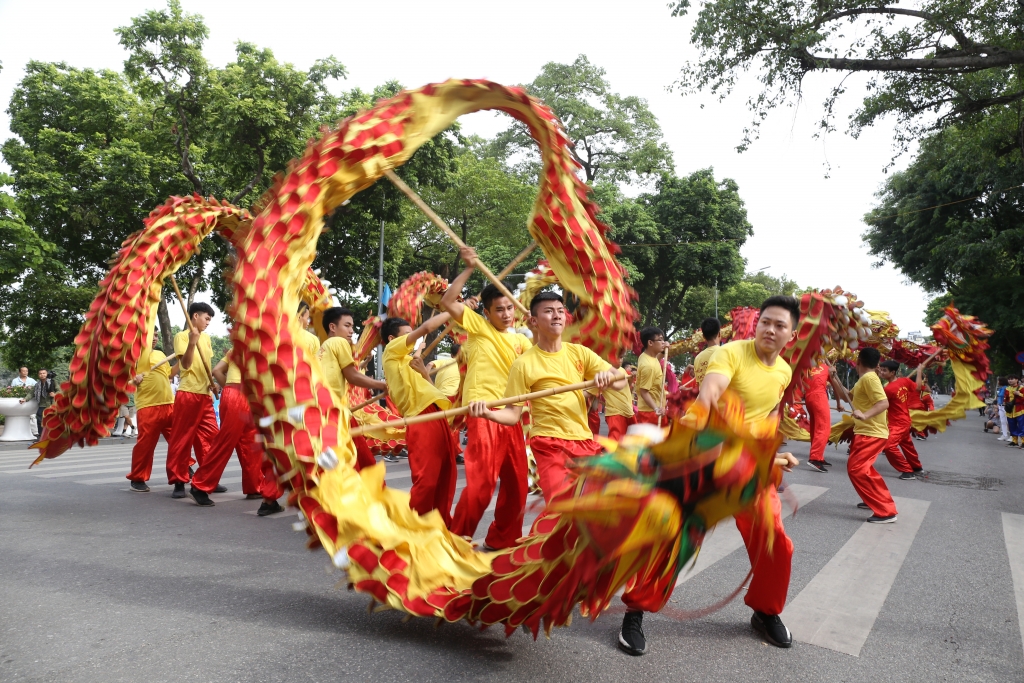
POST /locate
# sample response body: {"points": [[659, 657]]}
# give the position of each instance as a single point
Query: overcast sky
{"points": [[806, 226]]}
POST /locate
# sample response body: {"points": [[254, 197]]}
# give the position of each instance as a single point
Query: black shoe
{"points": [[202, 498], [863, 506], [390, 457], [220, 488], [191, 472], [631, 635], [875, 519], [907, 476], [772, 629], [920, 472], [459, 460], [816, 466], [140, 487], [269, 508], [179, 491], [253, 496], [826, 463]]}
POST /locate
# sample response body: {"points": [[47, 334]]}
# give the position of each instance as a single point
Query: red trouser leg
{"points": [[594, 422], [865, 478], [617, 425], [269, 488], [250, 454], [510, 508], [553, 457], [153, 421], [364, 458], [432, 448], [647, 417], [234, 417], [906, 444], [770, 582], [820, 418], [892, 451], [194, 424]]}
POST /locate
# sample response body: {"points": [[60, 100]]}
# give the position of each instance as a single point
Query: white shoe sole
{"points": [[881, 521], [628, 648]]}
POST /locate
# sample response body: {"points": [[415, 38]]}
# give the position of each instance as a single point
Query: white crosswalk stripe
{"points": [[1013, 535]]}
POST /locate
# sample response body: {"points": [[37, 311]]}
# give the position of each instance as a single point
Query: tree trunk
{"points": [[164, 320]]}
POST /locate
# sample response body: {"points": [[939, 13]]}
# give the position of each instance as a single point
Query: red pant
{"points": [[364, 458], [865, 478], [153, 421], [432, 447], [493, 452], [269, 488], [769, 585], [646, 417], [617, 425], [899, 438], [594, 422], [553, 457], [821, 419], [194, 426], [238, 434]]}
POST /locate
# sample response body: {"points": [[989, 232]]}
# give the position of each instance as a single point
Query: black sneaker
{"points": [[191, 472], [875, 519], [920, 472], [202, 498], [269, 508], [772, 629], [863, 506], [220, 488], [631, 635], [179, 491], [826, 463], [253, 496], [390, 457], [140, 487], [907, 476], [817, 466], [459, 460]]}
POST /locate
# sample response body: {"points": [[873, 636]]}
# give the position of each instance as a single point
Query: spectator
{"points": [[43, 392], [23, 380]]}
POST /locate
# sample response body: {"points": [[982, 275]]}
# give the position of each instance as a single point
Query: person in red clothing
{"points": [[650, 377], [901, 392], [155, 403], [816, 401]]}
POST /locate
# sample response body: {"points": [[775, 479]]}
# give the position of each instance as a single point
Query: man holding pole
{"points": [[194, 423], [493, 451], [559, 431], [154, 403], [650, 376]]}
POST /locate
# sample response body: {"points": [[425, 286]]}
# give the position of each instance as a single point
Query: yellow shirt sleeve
{"points": [[409, 390], [649, 376], [155, 389], [195, 379], [867, 392]]}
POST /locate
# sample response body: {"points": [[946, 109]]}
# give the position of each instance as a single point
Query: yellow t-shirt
{"points": [[155, 389], [760, 386], [447, 378], [411, 393], [489, 356], [310, 343], [233, 375], [701, 362], [867, 392], [336, 355], [649, 376], [195, 380], [563, 416], [618, 402]]}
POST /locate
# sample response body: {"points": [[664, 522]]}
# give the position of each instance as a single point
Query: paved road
{"points": [[100, 584]]}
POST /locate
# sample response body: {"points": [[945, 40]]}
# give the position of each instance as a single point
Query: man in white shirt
{"points": [[23, 380]]}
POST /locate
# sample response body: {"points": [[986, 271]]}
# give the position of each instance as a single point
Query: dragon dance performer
{"points": [[753, 370], [339, 369], [1004, 427], [712, 331], [819, 415], [900, 392], [194, 424], [432, 446], [1013, 402], [494, 452], [618, 408], [154, 402], [870, 436], [559, 431], [447, 377], [650, 376]]}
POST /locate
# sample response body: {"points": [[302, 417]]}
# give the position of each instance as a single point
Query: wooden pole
{"points": [[368, 401], [436, 220], [664, 383], [455, 412], [168, 359], [188, 322], [517, 260]]}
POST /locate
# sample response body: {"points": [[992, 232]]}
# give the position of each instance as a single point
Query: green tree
{"points": [[687, 234], [949, 59], [616, 137]]}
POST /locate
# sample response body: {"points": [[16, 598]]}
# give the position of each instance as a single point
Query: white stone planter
{"points": [[16, 419]]}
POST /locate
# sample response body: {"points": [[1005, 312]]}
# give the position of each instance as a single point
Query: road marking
{"points": [[77, 464], [838, 608], [1013, 534], [725, 538], [57, 475]]}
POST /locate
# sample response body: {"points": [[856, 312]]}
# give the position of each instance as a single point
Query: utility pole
{"points": [[378, 367]]}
